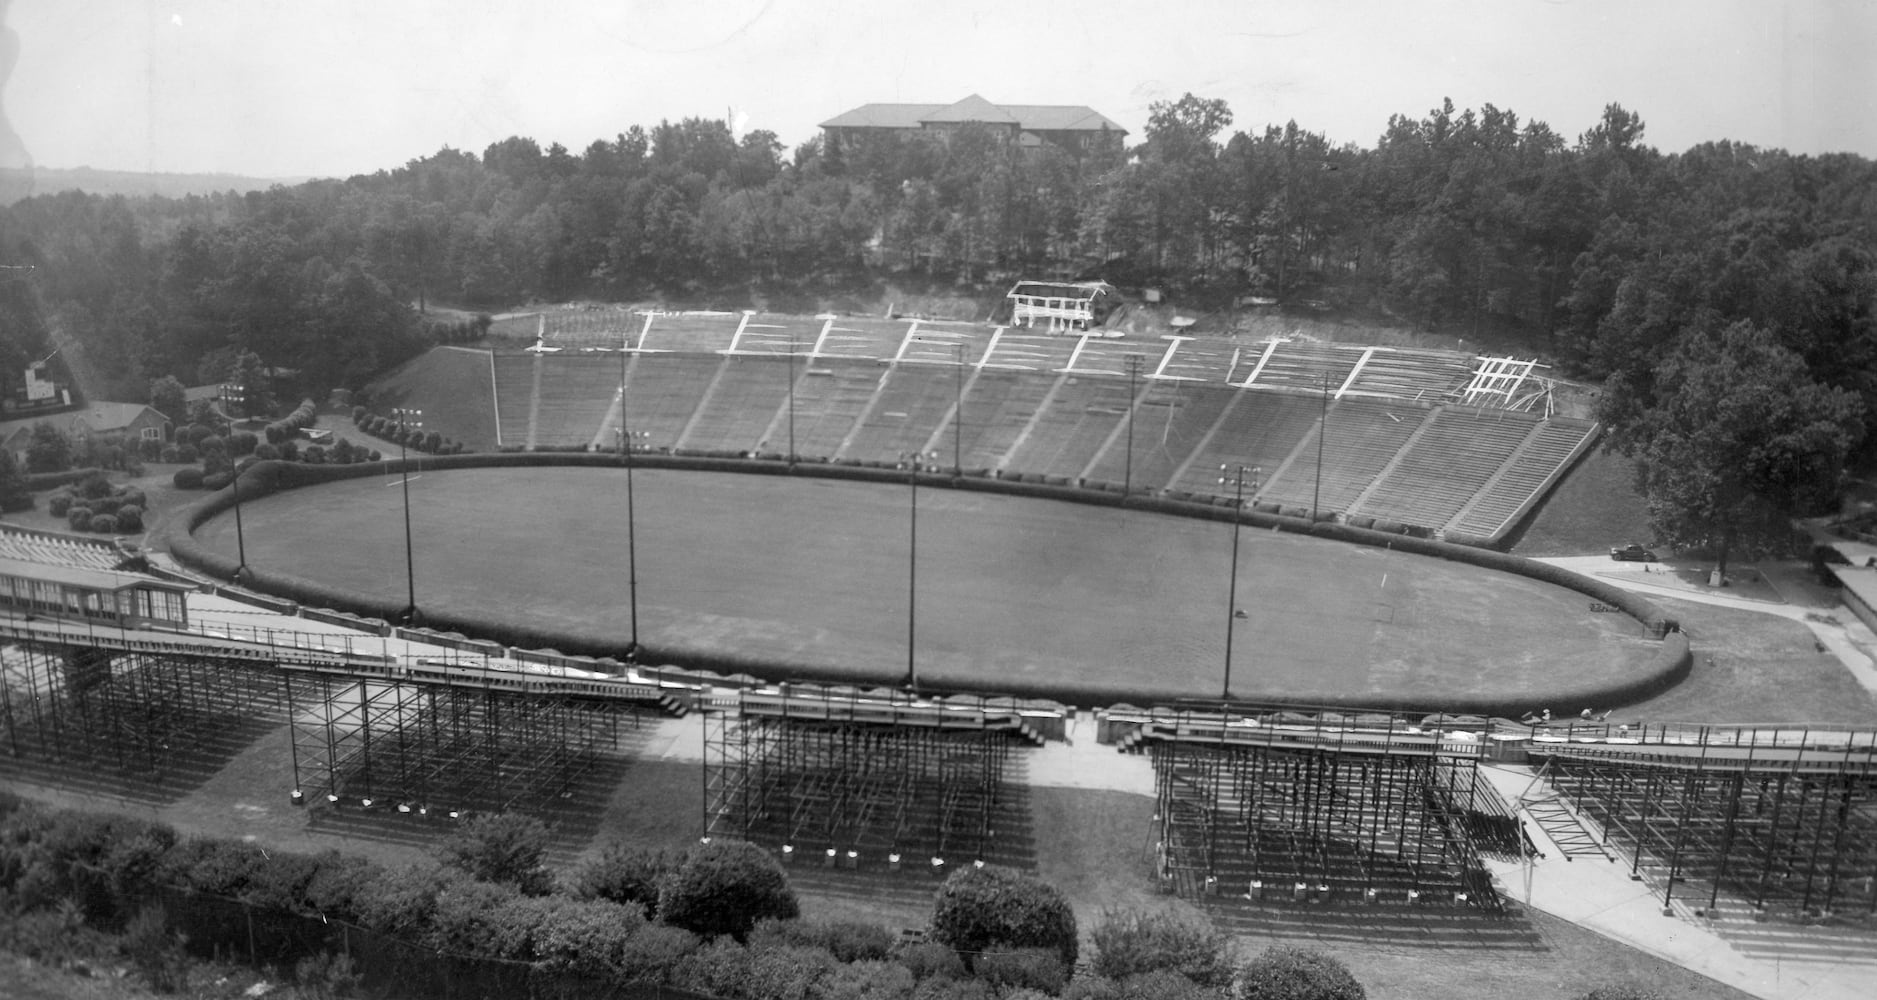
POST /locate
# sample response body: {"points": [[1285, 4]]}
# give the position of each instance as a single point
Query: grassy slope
{"points": [[452, 387], [1595, 507]]}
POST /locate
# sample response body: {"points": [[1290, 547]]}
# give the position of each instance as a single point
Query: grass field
{"points": [[812, 575]]}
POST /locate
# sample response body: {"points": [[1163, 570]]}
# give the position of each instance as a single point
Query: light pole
{"points": [[627, 442], [236, 394], [407, 420], [1133, 364], [1323, 428], [914, 464], [1235, 476], [791, 399]]}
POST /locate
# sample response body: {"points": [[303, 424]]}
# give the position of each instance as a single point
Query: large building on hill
{"points": [[1073, 127]]}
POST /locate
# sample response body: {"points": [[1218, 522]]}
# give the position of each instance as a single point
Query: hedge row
{"points": [[414, 438], [288, 427], [1670, 664], [465, 929]]}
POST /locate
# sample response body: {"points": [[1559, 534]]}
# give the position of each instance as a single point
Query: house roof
{"points": [[105, 417], [971, 109], [101, 417], [1030, 117]]}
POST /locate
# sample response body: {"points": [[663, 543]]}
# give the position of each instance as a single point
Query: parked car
{"points": [[1632, 553]]}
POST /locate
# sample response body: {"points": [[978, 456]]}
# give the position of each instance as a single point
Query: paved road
{"points": [[1849, 639]]}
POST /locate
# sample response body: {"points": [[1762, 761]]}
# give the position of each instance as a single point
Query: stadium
{"points": [[879, 561]]}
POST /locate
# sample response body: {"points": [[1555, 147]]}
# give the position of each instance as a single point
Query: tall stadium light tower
{"points": [[1133, 364], [407, 421], [1235, 476], [236, 394], [627, 442], [1323, 428], [791, 399], [914, 463]]}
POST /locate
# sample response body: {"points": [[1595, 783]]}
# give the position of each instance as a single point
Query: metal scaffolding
{"points": [[128, 711], [1383, 818], [424, 745], [1791, 829], [863, 788]]}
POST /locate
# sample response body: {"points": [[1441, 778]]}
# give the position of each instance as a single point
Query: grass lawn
{"points": [[812, 575]]}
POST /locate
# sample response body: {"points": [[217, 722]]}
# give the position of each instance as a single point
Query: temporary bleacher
{"points": [[1452, 459], [58, 550], [1363, 437], [1527, 474], [1405, 373]]}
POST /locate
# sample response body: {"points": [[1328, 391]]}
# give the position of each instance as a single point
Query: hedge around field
{"points": [[1668, 667]]}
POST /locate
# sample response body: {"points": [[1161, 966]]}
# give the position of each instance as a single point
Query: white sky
{"points": [[280, 88]]}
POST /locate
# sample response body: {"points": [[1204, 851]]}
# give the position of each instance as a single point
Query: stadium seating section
{"points": [[1161, 415]]}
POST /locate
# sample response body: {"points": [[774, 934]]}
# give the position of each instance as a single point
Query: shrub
{"points": [[134, 497], [1038, 969], [217, 480], [242, 443], [623, 873], [104, 505], [846, 940], [130, 519], [103, 524], [187, 453], [188, 478], [651, 954], [157, 952], [929, 960], [1285, 973], [169, 454], [993, 908], [1130, 942], [1165, 984], [340, 883], [313, 455], [266, 452], [865, 980], [400, 901], [150, 449], [485, 919], [59, 504], [79, 518], [725, 887], [94, 486], [358, 414], [506, 848], [589, 936]]}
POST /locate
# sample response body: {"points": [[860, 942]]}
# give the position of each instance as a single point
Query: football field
{"points": [[806, 577]]}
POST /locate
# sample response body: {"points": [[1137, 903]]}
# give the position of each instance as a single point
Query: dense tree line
{"points": [[1619, 262]]}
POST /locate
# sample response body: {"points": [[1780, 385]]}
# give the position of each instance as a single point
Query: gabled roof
{"points": [[113, 416], [1029, 117], [883, 116], [971, 109]]}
